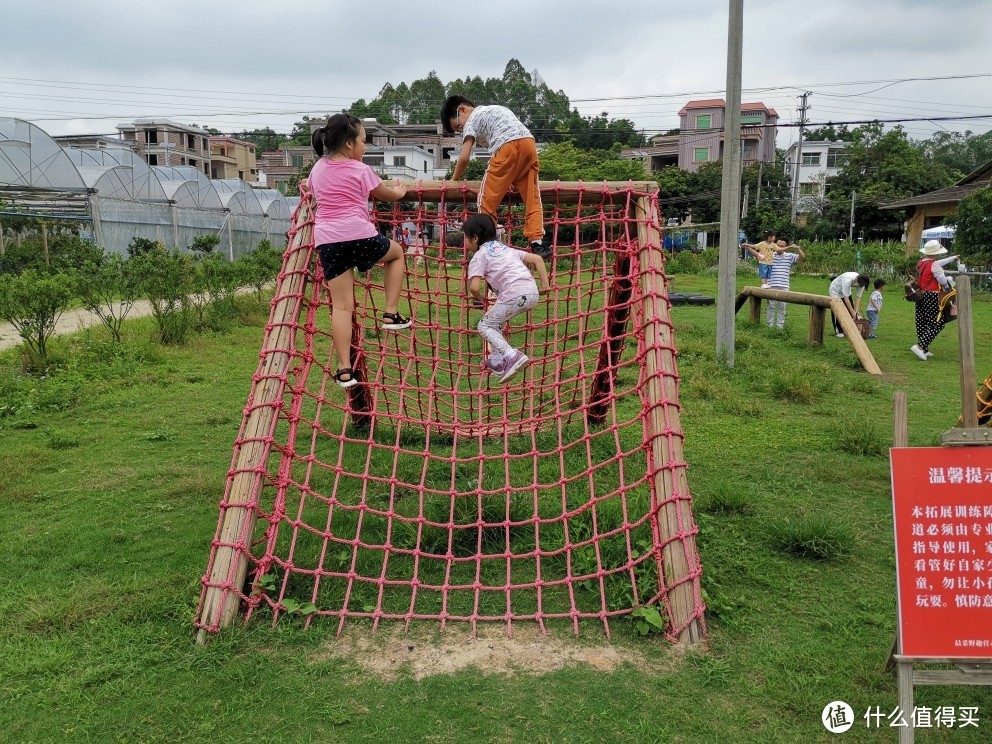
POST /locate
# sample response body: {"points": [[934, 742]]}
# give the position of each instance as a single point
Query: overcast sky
{"points": [[74, 67]]}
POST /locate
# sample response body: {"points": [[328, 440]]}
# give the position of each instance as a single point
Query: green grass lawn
{"points": [[113, 469]]}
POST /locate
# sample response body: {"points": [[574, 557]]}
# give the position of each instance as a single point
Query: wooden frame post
{"points": [[229, 566], [680, 560], [818, 305], [817, 321]]}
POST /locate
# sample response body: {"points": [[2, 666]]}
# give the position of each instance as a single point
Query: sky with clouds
{"points": [[73, 67]]}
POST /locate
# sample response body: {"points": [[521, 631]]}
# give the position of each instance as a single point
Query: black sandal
{"points": [[341, 374], [395, 322]]}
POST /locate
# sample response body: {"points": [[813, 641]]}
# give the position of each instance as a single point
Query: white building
{"points": [[821, 161], [403, 162]]}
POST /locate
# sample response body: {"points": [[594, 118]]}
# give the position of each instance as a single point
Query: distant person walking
{"points": [[931, 278]]}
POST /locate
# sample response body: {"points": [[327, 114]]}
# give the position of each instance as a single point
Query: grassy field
{"points": [[113, 469]]}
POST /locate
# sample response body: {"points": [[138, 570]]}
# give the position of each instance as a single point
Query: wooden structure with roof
{"points": [[930, 210]]}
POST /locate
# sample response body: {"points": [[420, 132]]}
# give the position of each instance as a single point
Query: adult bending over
{"points": [[842, 287]]}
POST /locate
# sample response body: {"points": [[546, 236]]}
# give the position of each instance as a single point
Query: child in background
{"points": [[513, 162], [418, 249], [507, 271], [782, 261], [765, 253], [345, 236], [874, 307]]}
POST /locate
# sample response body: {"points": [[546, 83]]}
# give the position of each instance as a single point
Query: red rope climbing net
{"points": [[432, 491]]}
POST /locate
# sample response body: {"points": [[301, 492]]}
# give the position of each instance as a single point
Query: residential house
{"points": [[275, 169], [821, 161], [232, 158], [168, 143], [700, 138], [932, 209], [92, 141]]}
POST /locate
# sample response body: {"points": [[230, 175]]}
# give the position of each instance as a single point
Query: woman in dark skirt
{"points": [[931, 278]]}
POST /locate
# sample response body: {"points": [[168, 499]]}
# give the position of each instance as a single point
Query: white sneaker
{"points": [[918, 351]]}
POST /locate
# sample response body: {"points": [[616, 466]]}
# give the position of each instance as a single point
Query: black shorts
{"points": [[363, 254]]}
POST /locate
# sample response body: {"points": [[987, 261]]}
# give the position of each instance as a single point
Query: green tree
{"points": [[564, 161], [881, 166], [959, 153], [33, 302], [293, 184], [205, 244], [829, 133], [425, 99], [544, 111], [265, 139], [973, 221], [474, 171], [301, 130], [109, 290], [167, 279]]}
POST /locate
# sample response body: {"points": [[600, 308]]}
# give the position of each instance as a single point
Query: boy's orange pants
{"points": [[515, 164]]}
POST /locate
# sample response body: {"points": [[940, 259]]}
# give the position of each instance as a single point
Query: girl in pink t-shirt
{"points": [[507, 271], [344, 234]]}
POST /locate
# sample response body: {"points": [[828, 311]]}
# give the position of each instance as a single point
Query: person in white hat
{"points": [[931, 278]]}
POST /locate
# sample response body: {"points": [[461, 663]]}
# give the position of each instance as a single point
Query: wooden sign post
{"points": [[942, 514]]}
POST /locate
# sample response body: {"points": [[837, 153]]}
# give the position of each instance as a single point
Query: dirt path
{"points": [[70, 321]]}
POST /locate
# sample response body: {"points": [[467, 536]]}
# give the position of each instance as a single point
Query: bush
{"points": [[166, 280], [109, 290], [862, 438], [803, 384], [33, 303], [259, 267], [813, 536], [685, 262], [205, 244]]}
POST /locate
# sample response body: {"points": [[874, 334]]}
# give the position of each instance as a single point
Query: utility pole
{"points": [[850, 230], [730, 194], [803, 108], [761, 170]]}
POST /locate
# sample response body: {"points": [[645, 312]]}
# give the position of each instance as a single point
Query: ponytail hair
{"points": [[338, 131]]}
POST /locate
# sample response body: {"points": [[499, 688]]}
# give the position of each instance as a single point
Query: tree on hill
{"points": [[566, 162], [973, 239], [881, 166], [265, 139], [829, 133], [960, 153], [546, 112]]}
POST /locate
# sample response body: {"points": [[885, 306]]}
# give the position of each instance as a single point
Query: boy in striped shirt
{"points": [[782, 260]]}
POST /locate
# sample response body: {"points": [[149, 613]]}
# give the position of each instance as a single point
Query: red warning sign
{"points": [[942, 509]]}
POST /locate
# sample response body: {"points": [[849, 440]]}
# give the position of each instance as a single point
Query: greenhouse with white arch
{"points": [[118, 197]]}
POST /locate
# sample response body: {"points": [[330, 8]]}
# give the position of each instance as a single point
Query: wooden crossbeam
{"points": [[818, 304]]}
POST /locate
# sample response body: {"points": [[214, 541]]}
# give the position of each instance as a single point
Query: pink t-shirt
{"points": [[504, 270], [342, 188]]}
